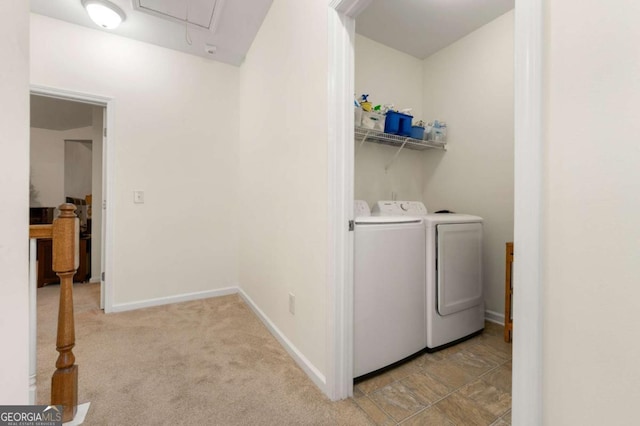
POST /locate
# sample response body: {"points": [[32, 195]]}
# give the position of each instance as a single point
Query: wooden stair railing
{"points": [[508, 294], [65, 234]]}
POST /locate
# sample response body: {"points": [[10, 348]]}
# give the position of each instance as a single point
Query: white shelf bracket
{"points": [[366, 135], [386, 168]]}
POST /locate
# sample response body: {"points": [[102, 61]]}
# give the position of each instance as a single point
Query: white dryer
{"points": [[389, 293], [454, 287]]}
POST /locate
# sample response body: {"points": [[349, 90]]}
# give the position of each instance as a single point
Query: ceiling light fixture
{"points": [[104, 13]]}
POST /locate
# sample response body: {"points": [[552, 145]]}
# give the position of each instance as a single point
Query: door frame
{"points": [[527, 343], [108, 150]]}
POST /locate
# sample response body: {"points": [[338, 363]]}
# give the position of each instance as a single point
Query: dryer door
{"points": [[459, 266]]}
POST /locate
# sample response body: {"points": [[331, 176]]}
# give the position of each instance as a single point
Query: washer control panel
{"points": [[399, 208]]}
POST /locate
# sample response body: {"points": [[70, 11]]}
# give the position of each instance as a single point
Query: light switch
{"points": [[138, 197]]}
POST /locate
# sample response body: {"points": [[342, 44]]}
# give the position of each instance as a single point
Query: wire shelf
{"points": [[364, 134]]}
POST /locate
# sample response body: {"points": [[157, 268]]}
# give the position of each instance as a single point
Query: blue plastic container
{"points": [[397, 123], [417, 132]]}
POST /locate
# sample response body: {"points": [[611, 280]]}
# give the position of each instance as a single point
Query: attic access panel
{"points": [[203, 14]]}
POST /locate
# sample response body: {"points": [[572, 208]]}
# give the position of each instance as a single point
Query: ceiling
{"points": [[222, 30], [422, 27], [58, 114]]}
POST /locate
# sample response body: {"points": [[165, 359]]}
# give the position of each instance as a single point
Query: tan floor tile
{"points": [[373, 384], [499, 378], [406, 369], [473, 364], [493, 329], [429, 358], [464, 411], [489, 353], [449, 373], [420, 359], [398, 401], [451, 350], [434, 356], [426, 387], [490, 398], [429, 416], [376, 415], [498, 344], [480, 368]]}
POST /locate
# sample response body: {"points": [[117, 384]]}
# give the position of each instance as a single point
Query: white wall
{"points": [[283, 173], [47, 157], [469, 84], [14, 209], [173, 139], [591, 252], [77, 168], [388, 76], [47, 168]]}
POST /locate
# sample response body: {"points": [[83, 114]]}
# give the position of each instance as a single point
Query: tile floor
{"points": [[467, 384]]}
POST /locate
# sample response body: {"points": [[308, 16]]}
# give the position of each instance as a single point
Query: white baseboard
{"points": [[94, 279], [81, 415], [174, 299], [314, 374], [495, 317]]}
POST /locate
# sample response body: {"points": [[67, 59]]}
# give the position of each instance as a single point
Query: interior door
{"points": [[459, 266]]}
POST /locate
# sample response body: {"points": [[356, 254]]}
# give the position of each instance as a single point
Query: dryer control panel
{"points": [[399, 208]]}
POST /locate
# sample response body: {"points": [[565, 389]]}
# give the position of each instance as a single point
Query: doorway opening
{"points": [[66, 166], [527, 352], [95, 125]]}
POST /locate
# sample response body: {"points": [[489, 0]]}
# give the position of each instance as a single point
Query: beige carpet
{"points": [[207, 362]]}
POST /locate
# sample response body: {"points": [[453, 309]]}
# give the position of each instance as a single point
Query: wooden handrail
{"points": [[40, 231], [65, 233], [508, 293]]}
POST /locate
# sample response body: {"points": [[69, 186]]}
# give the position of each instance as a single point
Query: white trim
{"points": [[187, 297], [527, 304], [108, 173], [341, 32], [108, 195], [314, 374], [494, 317], [72, 95], [349, 8]]}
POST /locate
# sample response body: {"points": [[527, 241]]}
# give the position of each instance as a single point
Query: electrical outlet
{"points": [[292, 303], [138, 197]]}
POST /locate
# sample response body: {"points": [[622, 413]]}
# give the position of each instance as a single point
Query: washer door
{"points": [[459, 266]]}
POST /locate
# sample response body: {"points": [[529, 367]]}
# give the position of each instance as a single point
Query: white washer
{"points": [[389, 292], [455, 301]]}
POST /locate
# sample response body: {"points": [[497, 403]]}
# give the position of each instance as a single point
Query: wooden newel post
{"points": [[64, 383]]}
